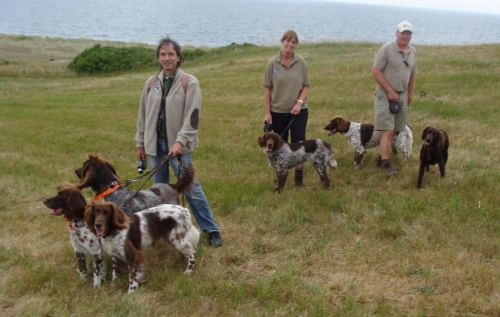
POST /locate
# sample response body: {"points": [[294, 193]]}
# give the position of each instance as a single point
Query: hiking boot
{"points": [[214, 239], [389, 170], [299, 177]]}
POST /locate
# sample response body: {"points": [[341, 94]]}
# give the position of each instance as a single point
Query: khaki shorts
{"points": [[384, 118]]}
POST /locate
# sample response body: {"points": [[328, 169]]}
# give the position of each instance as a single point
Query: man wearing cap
{"points": [[394, 70]]}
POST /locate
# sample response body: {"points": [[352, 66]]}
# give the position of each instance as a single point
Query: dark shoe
{"points": [[389, 170], [379, 161], [214, 239], [299, 177]]}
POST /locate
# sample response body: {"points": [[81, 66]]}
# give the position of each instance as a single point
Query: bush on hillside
{"points": [[189, 55], [105, 59]]}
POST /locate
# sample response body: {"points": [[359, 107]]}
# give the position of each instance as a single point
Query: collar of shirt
{"points": [[167, 81]]}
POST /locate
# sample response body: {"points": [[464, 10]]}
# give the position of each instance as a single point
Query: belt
{"points": [[162, 136]]}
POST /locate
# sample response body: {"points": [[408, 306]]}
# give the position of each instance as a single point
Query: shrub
{"points": [[189, 55], [105, 59]]}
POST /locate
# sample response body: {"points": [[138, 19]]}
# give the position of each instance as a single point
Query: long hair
{"points": [[165, 41]]}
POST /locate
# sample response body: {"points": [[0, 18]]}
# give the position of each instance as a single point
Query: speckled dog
{"points": [[71, 203], [362, 136], [101, 176], [283, 156]]}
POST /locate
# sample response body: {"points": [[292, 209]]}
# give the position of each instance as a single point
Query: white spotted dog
{"points": [[362, 136], [71, 203], [124, 237], [283, 156]]}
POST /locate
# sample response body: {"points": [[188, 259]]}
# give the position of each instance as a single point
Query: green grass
{"points": [[368, 246]]}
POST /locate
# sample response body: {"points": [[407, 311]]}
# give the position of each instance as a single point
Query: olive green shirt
{"points": [[286, 83]]}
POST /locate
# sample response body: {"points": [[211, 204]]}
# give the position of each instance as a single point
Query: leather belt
{"points": [[162, 136]]}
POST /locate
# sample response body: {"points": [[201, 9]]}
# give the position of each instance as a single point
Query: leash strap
{"points": [[157, 167], [130, 181], [288, 126], [179, 172]]}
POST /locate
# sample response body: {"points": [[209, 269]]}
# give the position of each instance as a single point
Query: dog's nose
{"points": [[98, 225]]}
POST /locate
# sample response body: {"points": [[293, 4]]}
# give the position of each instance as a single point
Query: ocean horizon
{"points": [[222, 22]]}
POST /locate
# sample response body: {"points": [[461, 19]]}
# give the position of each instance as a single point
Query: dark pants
{"points": [[297, 128]]}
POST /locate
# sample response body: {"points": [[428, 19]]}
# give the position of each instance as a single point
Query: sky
{"points": [[484, 6]]}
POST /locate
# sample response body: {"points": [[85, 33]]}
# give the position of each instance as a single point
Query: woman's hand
{"points": [[296, 108]]}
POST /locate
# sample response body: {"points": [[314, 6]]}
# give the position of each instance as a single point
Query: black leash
{"points": [[287, 127]]}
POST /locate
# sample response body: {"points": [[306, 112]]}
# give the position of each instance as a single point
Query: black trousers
{"points": [[297, 129]]}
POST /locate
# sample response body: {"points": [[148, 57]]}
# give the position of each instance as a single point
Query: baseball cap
{"points": [[405, 26]]}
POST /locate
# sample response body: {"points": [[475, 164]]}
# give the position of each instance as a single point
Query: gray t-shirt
{"points": [[396, 66]]}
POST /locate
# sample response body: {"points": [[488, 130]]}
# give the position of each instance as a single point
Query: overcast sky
{"points": [[485, 6]]}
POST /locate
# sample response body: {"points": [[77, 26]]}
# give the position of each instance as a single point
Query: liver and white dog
{"points": [[283, 156], [362, 136], [125, 237]]}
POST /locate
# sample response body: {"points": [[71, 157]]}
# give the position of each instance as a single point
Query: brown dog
{"points": [[101, 176], [434, 151]]}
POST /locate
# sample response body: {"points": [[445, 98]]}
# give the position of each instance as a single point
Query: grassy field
{"points": [[368, 246]]}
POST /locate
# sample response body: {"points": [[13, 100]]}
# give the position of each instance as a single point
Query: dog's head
{"points": [[69, 202], [433, 136], [95, 171], [103, 218], [337, 124], [270, 142]]}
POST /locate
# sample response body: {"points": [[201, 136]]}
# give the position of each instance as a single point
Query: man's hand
{"points": [[176, 149], [141, 154]]}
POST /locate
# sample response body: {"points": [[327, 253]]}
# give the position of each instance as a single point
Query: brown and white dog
{"points": [[101, 176], [283, 156], [124, 237], [362, 136], [71, 203], [434, 151]]}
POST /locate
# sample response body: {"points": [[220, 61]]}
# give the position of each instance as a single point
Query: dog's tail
{"points": [[332, 162], [185, 181]]}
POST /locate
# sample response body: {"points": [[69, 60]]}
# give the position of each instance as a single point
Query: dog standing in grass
{"points": [[125, 237], [283, 156], [363, 136], [434, 151]]}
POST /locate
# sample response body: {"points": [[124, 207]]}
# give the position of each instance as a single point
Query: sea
{"points": [[216, 23]]}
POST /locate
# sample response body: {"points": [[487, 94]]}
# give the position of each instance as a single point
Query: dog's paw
{"points": [[83, 275]]}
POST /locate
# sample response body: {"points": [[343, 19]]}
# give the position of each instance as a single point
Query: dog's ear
{"points": [[424, 131], [280, 142], [75, 202], [87, 175], [341, 124], [90, 218], [261, 140], [111, 167], [120, 219], [442, 138]]}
